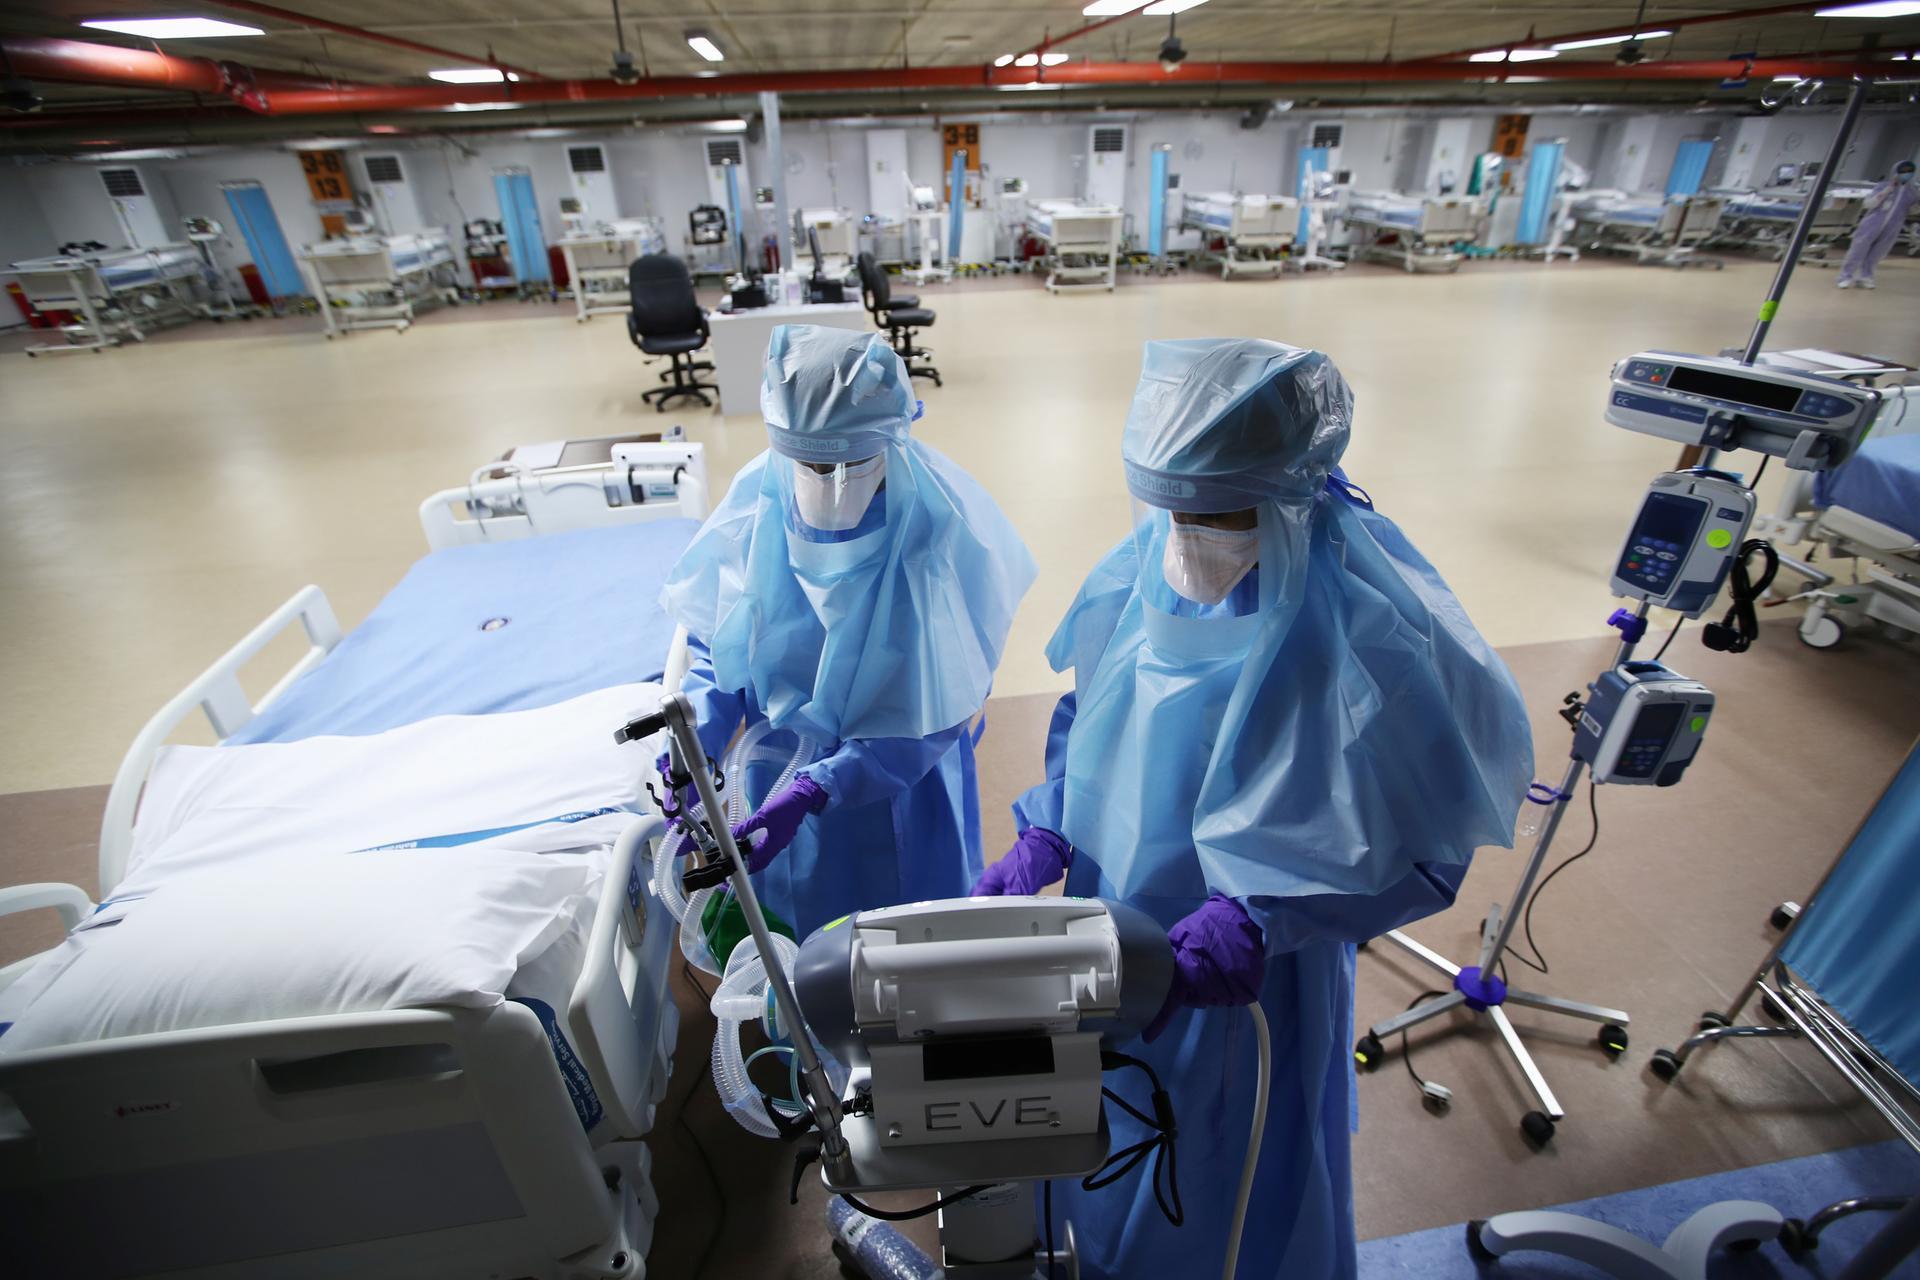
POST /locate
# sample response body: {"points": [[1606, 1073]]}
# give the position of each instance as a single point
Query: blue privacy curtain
{"points": [[1312, 160], [1543, 181], [253, 214], [520, 214], [956, 205], [1858, 942], [1689, 167], [1157, 212]]}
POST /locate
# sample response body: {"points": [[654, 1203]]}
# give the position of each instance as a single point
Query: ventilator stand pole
{"points": [[1481, 989], [822, 1101]]}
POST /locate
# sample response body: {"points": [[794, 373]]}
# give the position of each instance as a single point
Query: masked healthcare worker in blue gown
{"points": [[854, 587], [1284, 737]]}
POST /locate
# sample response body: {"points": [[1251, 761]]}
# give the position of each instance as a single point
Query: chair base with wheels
{"points": [[681, 376], [899, 316], [900, 334]]}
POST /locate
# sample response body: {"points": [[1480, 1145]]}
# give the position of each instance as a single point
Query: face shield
{"points": [[1200, 564], [838, 498]]}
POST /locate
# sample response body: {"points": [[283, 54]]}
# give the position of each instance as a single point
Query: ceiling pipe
{"points": [[81, 62], [1649, 24], [375, 37]]}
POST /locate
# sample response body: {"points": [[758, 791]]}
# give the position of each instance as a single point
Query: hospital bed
{"points": [[598, 258], [475, 1138], [1253, 231], [1660, 230], [1763, 220], [379, 282], [1417, 232], [1082, 242], [116, 293]]}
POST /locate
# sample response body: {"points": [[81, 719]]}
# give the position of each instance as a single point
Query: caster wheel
{"points": [[1664, 1064], [1368, 1053], [1613, 1039], [33, 355], [1713, 1022], [1538, 1128], [1477, 1246], [1783, 915], [1795, 1240], [1823, 632]]}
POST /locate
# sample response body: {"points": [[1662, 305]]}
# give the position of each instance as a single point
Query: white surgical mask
{"points": [[1904, 177], [836, 500], [1205, 564]]}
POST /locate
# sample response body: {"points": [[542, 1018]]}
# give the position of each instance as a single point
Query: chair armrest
{"points": [[69, 900]]}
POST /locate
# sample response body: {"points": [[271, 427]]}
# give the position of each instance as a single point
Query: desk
{"points": [[740, 345]]}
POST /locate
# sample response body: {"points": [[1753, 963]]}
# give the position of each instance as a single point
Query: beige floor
{"points": [[162, 498]]}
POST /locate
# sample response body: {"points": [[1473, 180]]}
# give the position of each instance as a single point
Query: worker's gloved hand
{"points": [[1219, 958], [777, 821], [1037, 859]]}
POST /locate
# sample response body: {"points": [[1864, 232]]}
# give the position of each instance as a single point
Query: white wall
{"points": [[24, 231]]}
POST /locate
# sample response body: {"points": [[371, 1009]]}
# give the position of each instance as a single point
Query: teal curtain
{"points": [[1543, 183], [1689, 167], [253, 214], [520, 213], [1157, 213], [956, 205]]}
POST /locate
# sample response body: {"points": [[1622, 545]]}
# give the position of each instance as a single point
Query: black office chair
{"points": [[898, 316], [665, 320]]}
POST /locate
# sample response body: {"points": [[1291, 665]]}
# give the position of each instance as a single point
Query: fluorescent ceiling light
{"points": [[1111, 8], [1531, 55], [1027, 88], [1003, 60], [1496, 55], [701, 43], [1872, 9], [172, 28], [1788, 79], [1161, 8], [1597, 41], [1027, 60], [482, 106], [141, 153], [728, 126], [471, 75], [1054, 59]]}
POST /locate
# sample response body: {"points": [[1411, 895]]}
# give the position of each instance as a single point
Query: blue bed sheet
{"points": [[501, 626], [1881, 482]]}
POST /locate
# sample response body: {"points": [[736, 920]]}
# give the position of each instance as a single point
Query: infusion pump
{"points": [[1812, 422]]}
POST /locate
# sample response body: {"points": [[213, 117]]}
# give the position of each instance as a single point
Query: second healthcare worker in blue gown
{"points": [[857, 587], [1284, 737]]}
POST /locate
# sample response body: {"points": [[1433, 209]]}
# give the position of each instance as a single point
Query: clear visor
{"points": [[837, 498], [1195, 565]]}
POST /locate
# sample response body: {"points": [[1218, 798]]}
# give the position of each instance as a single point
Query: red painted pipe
{"points": [[427, 98], [1651, 24], [78, 62], [376, 37]]}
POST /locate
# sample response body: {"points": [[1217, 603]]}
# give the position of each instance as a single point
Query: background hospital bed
{"points": [[414, 1142], [1417, 232], [1654, 229], [1259, 226], [1866, 511], [378, 282], [1764, 220], [116, 293], [1083, 243]]}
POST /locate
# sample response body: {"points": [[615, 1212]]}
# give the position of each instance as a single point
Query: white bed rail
{"points": [[218, 693], [660, 481], [70, 900]]}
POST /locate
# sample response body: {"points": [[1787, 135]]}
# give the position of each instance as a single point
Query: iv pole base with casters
{"points": [[1480, 989]]}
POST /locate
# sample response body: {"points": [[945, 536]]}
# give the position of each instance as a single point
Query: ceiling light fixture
{"points": [[1027, 60], [702, 43], [172, 28], [1004, 60], [471, 75], [1162, 8], [728, 126], [1872, 9], [1111, 8], [1036, 86], [1054, 59], [1531, 55], [1566, 45]]}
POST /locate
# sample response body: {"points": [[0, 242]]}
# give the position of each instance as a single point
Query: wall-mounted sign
{"points": [[327, 177]]}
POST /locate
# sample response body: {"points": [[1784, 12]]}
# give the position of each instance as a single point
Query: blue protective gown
{"points": [[1330, 765]]}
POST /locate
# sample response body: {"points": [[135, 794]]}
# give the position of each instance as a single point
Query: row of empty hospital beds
{"points": [[380, 281], [374, 987], [114, 295]]}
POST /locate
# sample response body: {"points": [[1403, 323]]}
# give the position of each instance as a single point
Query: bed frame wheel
{"points": [[1711, 1021], [1665, 1064], [1537, 1126], [1613, 1039], [1783, 915], [1823, 632], [1368, 1053]]}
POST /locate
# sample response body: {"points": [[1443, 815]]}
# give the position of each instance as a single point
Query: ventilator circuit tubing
{"points": [[1264, 1043], [666, 858], [741, 998]]}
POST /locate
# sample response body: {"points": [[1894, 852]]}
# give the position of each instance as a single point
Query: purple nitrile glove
{"points": [[1037, 859], [1219, 958], [779, 819]]}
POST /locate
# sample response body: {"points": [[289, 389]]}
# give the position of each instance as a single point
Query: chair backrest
{"points": [[874, 284], [660, 291]]}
